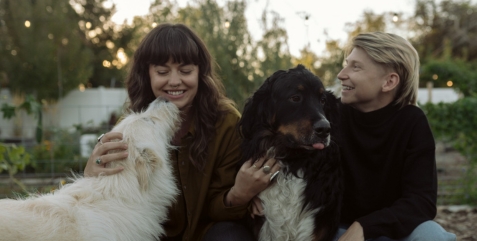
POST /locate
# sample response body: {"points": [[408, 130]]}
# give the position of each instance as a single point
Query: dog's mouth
{"points": [[303, 136], [314, 146], [314, 143], [318, 146]]}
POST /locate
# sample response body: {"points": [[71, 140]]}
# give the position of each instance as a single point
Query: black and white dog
{"points": [[293, 117]]}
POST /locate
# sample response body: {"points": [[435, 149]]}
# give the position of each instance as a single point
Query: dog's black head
{"points": [[291, 111]]}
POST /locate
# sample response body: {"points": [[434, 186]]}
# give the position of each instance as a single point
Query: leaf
{"points": [[3, 166], [39, 133], [8, 111]]}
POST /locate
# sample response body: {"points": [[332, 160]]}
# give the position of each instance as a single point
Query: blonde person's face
{"points": [[176, 82], [361, 81]]}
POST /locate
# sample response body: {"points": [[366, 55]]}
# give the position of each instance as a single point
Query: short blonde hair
{"points": [[395, 53]]}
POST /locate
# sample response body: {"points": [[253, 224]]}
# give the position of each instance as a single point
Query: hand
{"points": [[102, 152], [257, 208], [354, 233], [251, 180]]}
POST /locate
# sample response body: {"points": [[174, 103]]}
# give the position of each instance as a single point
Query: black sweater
{"points": [[389, 170]]}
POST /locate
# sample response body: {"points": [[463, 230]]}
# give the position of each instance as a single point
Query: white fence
{"points": [[91, 107], [88, 108]]}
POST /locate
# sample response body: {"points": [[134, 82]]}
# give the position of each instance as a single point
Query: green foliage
{"points": [[8, 111], [273, 46], [100, 35], [41, 49], [438, 23], [461, 73], [455, 124], [12, 160], [31, 106], [369, 22], [331, 64], [58, 153]]}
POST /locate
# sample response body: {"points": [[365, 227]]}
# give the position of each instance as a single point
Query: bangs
{"points": [[180, 47]]}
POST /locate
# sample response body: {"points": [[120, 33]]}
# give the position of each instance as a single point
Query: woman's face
{"points": [[362, 82], [176, 82]]}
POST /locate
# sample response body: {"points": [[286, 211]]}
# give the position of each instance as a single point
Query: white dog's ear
{"points": [[146, 163]]}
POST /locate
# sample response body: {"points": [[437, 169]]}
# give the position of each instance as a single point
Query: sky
{"points": [[327, 18]]}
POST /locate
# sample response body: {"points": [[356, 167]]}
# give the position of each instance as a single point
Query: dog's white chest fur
{"points": [[283, 209]]}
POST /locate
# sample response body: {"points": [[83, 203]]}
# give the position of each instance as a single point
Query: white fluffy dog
{"points": [[131, 205]]}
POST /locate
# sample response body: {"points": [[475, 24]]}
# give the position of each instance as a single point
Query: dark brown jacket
{"points": [[201, 202]]}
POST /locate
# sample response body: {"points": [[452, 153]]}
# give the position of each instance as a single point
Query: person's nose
{"points": [[342, 75], [175, 79]]}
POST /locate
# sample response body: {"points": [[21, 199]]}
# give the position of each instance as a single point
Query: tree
{"points": [[108, 44], [331, 63], [453, 22], [273, 50], [445, 40], [451, 72], [370, 22], [41, 51]]}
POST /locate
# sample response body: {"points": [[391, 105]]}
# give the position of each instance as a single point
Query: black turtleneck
{"points": [[389, 170]]}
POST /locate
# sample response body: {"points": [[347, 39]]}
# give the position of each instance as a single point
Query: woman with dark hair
{"points": [[173, 62]]}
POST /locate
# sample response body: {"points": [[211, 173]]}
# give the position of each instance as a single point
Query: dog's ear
{"points": [[145, 164], [258, 112]]}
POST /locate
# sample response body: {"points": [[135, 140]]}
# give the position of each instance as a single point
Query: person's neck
{"points": [[381, 102]]}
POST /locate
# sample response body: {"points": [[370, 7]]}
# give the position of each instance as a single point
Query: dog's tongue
{"points": [[318, 146]]}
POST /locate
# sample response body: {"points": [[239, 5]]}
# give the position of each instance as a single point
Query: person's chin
{"points": [[345, 100], [183, 107]]}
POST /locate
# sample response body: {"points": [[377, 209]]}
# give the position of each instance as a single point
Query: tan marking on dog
{"points": [[301, 87], [295, 129], [145, 165]]}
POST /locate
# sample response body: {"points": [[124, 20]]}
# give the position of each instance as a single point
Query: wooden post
{"points": [[430, 85]]}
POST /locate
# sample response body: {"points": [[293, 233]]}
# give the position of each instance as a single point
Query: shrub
{"points": [[454, 123], [59, 153]]}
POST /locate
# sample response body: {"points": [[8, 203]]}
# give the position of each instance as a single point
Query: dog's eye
{"points": [[323, 101], [295, 98]]}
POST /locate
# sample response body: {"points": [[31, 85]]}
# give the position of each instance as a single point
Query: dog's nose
{"points": [[322, 128]]}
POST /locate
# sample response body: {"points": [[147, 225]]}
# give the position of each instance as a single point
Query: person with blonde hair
{"points": [[388, 149]]}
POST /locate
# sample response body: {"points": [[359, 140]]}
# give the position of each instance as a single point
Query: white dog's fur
{"points": [[130, 205], [285, 218]]}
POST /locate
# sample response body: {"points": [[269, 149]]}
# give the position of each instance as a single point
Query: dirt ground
{"points": [[458, 219]]}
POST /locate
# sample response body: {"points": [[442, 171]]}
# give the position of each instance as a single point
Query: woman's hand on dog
{"points": [[251, 179], [256, 209], [109, 141]]}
